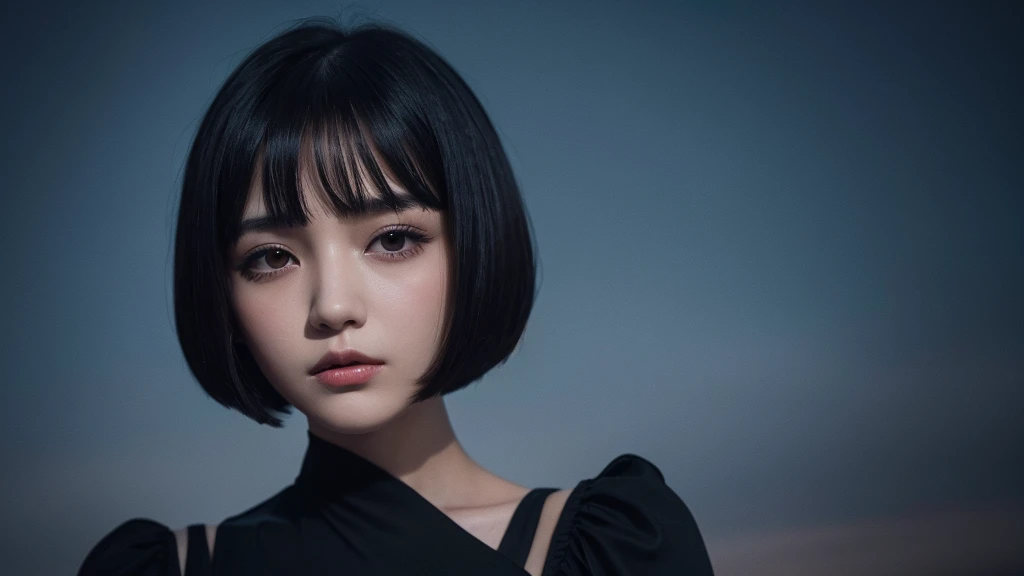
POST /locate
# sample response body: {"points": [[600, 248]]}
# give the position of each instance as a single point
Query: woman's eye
{"points": [[393, 241], [396, 241], [276, 260]]}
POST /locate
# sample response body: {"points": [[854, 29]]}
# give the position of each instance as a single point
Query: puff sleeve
{"points": [[137, 547], [626, 520]]}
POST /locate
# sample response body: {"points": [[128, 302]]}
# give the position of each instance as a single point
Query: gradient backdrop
{"points": [[782, 255]]}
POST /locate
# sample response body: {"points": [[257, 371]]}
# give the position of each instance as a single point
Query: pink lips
{"points": [[346, 368], [348, 375]]}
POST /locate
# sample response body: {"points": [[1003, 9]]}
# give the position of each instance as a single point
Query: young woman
{"points": [[351, 243]]}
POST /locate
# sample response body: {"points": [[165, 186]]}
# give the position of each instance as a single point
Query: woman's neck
{"points": [[420, 449]]}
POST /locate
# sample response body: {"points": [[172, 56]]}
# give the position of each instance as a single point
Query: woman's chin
{"points": [[352, 413]]}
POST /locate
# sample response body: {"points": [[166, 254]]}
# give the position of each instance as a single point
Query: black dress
{"points": [[345, 515]]}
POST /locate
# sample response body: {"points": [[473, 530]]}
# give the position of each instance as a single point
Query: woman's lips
{"points": [[348, 375]]}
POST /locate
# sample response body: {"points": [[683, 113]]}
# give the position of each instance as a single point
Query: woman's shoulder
{"points": [[626, 518], [145, 547], [139, 546]]}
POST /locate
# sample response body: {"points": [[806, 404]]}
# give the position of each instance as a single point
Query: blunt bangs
{"points": [[345, 111], [325, 134]]}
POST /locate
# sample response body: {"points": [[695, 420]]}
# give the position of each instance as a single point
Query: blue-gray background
{"points": [[781, 248]]}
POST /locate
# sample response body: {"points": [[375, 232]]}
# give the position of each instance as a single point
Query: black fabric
{"points": [[521, 528], [197, 563], [137, 547], [345, 515]]}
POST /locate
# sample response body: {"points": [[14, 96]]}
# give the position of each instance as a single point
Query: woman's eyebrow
{"points": [[369, 208]]}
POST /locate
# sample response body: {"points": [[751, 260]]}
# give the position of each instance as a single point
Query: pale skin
{"points": [[362, 283]]}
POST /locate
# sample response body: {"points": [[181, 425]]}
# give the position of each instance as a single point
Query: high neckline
{"points": [[357, 497], [330, 471]]}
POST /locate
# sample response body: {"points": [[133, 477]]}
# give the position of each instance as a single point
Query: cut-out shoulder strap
{"points": [[523, 525], [197, 562]]}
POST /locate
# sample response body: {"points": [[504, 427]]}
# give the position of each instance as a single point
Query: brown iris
{"points": [[276, 255], [392, 241]]}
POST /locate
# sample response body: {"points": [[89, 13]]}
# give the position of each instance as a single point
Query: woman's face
{"points": [[374, 283]]}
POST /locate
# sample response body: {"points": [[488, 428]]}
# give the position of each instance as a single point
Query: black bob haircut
{"points": [[353, 105]]}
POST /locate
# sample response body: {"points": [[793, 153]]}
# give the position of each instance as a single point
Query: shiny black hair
{"points": [[371, 101]]}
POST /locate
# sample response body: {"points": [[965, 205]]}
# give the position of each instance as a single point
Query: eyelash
{"points": [[418, 238]]}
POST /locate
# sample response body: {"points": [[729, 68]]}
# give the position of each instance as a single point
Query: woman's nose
{"points": [[338, 293]]}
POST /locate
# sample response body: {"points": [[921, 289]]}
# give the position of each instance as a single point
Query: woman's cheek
{"points": [[265, 319], [423, 296]]}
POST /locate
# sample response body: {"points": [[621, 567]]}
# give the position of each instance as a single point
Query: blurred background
{"points": [[781, 246]]}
